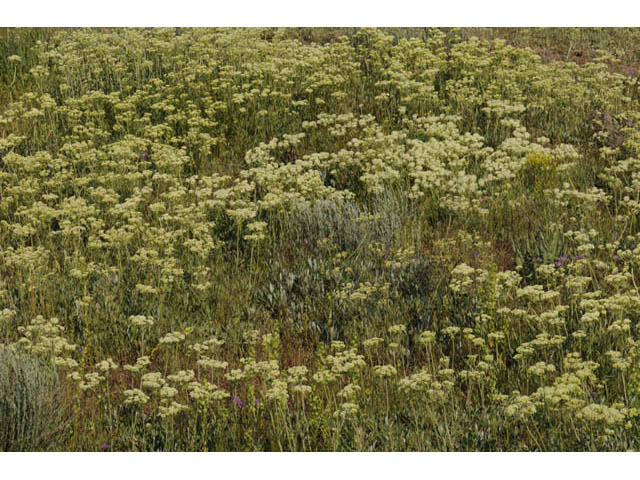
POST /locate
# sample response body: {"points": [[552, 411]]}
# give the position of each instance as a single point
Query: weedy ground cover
{"points": [[268, 239]]}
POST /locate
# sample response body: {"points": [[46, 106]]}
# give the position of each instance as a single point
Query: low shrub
{"points": [[30, 396]]}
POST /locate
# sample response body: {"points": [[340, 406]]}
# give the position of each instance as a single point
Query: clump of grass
{"points": [[30, 395]]}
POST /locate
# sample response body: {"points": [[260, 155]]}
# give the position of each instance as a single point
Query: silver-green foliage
{"points": [[29, 401], [350, 225]]}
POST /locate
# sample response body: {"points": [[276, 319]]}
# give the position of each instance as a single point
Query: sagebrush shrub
{"points": [[30, 395]]}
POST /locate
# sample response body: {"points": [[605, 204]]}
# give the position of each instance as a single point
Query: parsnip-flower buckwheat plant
{"points": [[240, 239]]}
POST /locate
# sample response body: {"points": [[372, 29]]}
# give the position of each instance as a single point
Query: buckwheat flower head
{"points": [[172, 337], [235, 375], [451, 331], [146, 289], [173, 409], [547, 271], [135, 397], [268, 369], [418, 382], [324, 377], [278, 391], [301, 389], [602, 413], [183, 376], [347, 409], [207, 362], [297, 374], [372, 342], [141, 362], [446, 372], [267, 338], [397, 329], [213, 342], [346, 361], [141, 320], [198, 348], [198, 391], [541, 368], [6, 315], [106, 365], [427, 337], [620, 325], [67, 362], [251, 336], [219, 394], [91, 380], [484, 366], [496, 336], [206, 391], [618, 361], [168, 392], [384, 371], [152, 380], [257, 230], [579, 334], [462, 277], [350, 391], [393, 346], [520, 407], [240, 214]]}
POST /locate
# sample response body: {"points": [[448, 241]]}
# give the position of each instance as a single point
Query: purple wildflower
{"points": [[237, 401], [539, 259], [561, 261], [579, 257], [615, 257], [105, 446], [145, 156]]}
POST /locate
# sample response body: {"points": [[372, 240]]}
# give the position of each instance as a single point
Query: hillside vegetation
{"points": [[309, 239]]}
